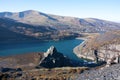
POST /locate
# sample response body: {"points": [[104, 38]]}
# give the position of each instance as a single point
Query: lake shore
{"points": [[78, 48]]}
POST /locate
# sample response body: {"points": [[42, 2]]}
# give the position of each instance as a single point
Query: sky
{"points": [[102, 9]]}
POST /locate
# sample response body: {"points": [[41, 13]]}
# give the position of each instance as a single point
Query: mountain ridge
{"points": [[35, 11], [33, 17]]}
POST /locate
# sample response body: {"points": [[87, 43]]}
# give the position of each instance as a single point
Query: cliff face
{"points": [[52, 59], [108, 53]]}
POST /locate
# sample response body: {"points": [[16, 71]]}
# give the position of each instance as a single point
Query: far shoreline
{"points": [[77, 50]]}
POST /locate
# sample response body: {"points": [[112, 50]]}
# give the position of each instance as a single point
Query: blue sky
{"points": [[102, 9]]}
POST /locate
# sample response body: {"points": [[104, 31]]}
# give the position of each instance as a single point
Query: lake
{"points": [[63, 46]]}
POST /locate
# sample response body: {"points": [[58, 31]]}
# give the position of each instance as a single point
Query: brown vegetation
{"points": [[24, 61], [64, 73]]}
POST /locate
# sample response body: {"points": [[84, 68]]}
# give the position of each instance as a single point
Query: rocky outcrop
{"points": [[52, 59], [109, 53]]}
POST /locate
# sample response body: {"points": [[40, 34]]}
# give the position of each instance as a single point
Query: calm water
{"points": [[65, 47]]}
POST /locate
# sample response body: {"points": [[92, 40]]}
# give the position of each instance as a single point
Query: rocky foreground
{"points": [[51, 65], [107, 73]]}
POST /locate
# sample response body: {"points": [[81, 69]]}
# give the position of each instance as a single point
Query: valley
{"points": [[39, 46]]}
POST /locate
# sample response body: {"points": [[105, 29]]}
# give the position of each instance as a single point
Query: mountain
{"points": [[37, 25], [72, 24]]}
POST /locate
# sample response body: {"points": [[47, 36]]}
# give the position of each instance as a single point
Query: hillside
{"points": [[61, 22], [13, 30], [7, 35], [103, 47]]}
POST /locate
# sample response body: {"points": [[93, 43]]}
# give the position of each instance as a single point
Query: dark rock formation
{"points": [[52, 59], [96, 55], [9, 69]]}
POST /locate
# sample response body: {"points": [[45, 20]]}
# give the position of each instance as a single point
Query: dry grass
{"points": [[56, 73], [24, 61]]}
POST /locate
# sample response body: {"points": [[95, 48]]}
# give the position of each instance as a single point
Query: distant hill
{"points": [[61, 22]]}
